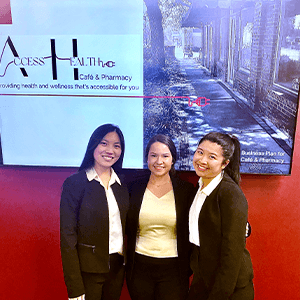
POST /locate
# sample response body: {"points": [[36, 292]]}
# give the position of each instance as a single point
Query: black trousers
{"points": [[199, 291], [156, 279], [105, 286]]}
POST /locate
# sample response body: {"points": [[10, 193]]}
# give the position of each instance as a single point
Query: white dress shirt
{"points": [[115, 226], [82, 297], [197, 205]]}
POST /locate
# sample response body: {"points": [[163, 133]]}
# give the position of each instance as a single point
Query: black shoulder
{"points": [[182, 183], [227, 183], [232, 194], [138, 184], [76, 181], [76, 176]]}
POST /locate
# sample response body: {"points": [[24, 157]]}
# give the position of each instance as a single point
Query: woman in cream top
{"points": [[157, 228]]}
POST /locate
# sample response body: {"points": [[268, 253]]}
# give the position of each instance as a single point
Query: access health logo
{"points": [[5, 12], [24, 63]]}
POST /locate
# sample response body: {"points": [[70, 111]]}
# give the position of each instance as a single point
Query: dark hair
{"points": [[164, 139], [95, 139], [231, 151]]}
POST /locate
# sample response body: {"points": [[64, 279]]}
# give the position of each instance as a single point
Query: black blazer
{"points": [[84, 228], [224, 262], [183, 192]]}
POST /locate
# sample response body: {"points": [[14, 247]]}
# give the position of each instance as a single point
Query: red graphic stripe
{"points": [[5, 12]]}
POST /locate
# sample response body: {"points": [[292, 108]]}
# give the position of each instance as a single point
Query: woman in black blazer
{"points": [[93, 209], [157, 228], [217, 220]]}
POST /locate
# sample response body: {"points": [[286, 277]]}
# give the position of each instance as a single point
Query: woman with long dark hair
{"points": [[217, 220], [157, 228], [93, 209]]}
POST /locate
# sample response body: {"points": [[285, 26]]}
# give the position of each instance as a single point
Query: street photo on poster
{"points": [[229, 66]]}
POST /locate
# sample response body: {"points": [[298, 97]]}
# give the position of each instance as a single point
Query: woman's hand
{"points": [[82, 297]]}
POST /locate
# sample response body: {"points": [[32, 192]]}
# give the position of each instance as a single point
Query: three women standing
{"points": [[93, 209], [160, 223]]}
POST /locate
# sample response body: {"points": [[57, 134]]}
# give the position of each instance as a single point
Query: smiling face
{"points": [[107, 152], [159, 159], [208, 160]]}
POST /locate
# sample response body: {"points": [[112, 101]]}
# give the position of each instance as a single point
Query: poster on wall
{"points": [[177, 67], [66, 68]]}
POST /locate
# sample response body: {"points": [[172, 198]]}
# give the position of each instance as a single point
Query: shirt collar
{"points": [[92, 174], [212, 185]]}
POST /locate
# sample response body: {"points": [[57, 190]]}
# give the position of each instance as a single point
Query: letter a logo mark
{"points": [[15, 54]]}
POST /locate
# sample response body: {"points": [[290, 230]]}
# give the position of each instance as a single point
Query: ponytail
{"points": [[233, 167]]}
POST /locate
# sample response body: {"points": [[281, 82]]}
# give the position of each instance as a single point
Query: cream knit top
{"points": [[156, 236]]}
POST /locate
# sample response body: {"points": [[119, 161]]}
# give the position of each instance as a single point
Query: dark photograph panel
{"points": [[231, 66]]}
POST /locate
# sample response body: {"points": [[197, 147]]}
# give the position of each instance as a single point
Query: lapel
{"points": [[179, 199], [138, 198], [94, 210], [210, 210], [122, 199], [137, 191], [211, 203], [96, 196]]}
